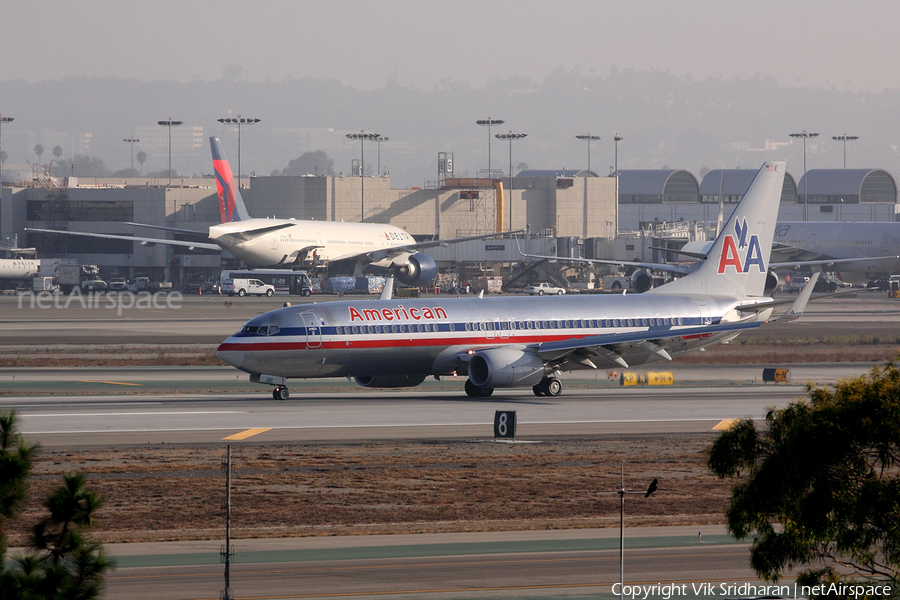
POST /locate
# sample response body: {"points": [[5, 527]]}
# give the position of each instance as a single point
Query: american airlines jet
{"points": [[525, 341], [285, 243]]}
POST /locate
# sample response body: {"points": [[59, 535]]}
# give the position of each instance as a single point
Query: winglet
{"points": [[799, 305], [387, 291], [231, 204]]}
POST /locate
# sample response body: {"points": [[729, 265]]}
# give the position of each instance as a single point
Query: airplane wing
{"points": [[175, 229], [853, 264], [680, 269], [383, 253], [143, 241], [610, 347]]}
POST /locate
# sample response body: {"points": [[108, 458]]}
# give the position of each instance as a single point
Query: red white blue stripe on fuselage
{"points": [[367, 338]]}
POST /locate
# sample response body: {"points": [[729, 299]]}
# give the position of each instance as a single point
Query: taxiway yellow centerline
{"points": [[243, 435]]}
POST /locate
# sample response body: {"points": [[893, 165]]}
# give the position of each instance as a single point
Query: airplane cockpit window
{"points": [[273, 329], [249, 329]]}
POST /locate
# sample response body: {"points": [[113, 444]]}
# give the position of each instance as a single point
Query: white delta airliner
{"points": [[286, 243], [19, 269], [526, 341]]}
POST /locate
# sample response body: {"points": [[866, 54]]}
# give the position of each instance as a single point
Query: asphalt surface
{"points": [[110, 407]]}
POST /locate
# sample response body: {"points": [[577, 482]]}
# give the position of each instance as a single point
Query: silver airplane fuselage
{"points": [[364, 338]]}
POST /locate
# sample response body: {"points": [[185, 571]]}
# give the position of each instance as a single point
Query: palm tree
{"points": [[141, 157], [57, 152], [39, 150]]}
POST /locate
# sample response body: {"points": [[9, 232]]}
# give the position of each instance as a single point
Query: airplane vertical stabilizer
{"points": [[738, 262], [231, 204]]}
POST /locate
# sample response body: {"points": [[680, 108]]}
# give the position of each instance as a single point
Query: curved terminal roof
{"points": [[557, 173], [733, 184], [853, 186], [657, 185]]}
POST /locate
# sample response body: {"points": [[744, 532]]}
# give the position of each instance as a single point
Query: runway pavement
{"points": [[71, 421], [110, 407]]}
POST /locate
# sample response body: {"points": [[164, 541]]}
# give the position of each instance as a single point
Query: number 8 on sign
{"points": [[505, 424]]}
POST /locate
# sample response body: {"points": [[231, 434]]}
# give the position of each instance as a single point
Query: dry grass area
{"points": [[157, 493]]}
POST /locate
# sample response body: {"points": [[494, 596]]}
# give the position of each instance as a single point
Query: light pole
{"points": [[621, 492], [510, 136], [588, 138], [805, 136], [378, 140], [132, 141], [239, 121], [617, 138], [489, 122], [2, 121], [362, 136], [170, 124], [845, 138]]}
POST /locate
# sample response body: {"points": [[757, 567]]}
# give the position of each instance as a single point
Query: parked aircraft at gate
{"points": [[19, 269], [862, 251], [285, 243], [525, 341]]}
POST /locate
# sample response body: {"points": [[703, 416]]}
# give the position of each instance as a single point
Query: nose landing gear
{"points": [[281, 393]]}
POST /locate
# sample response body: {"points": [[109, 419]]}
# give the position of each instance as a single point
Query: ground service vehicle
{"points": [[243, 287]]}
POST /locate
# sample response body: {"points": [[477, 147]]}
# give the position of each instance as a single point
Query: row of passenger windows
{"points": [[420, 328], [484, 326], [515, 325]]}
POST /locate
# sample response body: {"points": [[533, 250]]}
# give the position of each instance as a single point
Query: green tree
{"points": [[310, 163], [63, 562], [142, 158], [39, 150], [820, 483], [89, 166], [16, 460]]}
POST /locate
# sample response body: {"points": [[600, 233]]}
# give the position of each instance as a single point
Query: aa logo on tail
{"points": [[738, 244]]}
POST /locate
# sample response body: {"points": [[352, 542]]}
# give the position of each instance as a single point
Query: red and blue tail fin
{"points": [[738, 261], [231, 204]]}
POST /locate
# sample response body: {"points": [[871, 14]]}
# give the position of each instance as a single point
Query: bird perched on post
{"points": [[653, 485]]}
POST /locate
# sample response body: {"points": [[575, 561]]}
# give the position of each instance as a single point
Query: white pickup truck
{"points": [[543, 288], [242, 287]]}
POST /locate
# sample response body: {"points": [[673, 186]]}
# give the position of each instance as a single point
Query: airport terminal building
{"points": [[572, 212]]}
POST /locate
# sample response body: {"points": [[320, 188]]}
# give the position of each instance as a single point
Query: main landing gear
{"points": [[474, 391], [549, 386], [281, 393]]}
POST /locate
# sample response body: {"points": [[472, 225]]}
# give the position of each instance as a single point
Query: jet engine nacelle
{"points": [[641, 281], [772, 283], [390, 381], [506, 367], [418, 271]]}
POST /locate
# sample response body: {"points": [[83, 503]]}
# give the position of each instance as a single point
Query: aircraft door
{"points": [[705, 319], [313, 331], [502, 328], [811, 244], [886, 243]]}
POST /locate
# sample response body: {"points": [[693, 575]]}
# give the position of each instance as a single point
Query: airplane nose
{"points": [[235, 358]]}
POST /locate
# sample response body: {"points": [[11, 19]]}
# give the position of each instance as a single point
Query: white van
{"points": [[242, 287]]}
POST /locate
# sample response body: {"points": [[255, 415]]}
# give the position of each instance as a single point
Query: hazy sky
{"points": [[419, 43]]}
